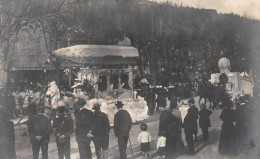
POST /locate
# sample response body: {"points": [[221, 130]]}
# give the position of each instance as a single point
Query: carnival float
{"points": [[237, 84], [105, 76]]}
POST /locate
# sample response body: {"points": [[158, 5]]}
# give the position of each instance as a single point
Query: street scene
{"points": [[129, 79], [206, 149]]}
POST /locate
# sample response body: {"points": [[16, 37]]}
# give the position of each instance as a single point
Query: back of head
{"points": [[191, 100], [203, 105], [40, 109], [143, 127]]}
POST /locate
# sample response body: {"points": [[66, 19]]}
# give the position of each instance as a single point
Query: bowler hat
{"points": [[61, 109], [96, 106], [119, 104], [40, 109], [81, 103]]}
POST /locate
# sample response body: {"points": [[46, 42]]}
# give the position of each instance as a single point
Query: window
{"points": [[124, 81], [102, 83], [114, 81]]}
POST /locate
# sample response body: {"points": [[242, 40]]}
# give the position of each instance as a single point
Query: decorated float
{"points": [[237, 84], [105, 77]]}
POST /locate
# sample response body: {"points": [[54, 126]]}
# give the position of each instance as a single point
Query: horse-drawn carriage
{"points": [[105, 76]]}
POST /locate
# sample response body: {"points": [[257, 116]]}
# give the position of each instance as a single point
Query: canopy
{"points": [[98, 54]]}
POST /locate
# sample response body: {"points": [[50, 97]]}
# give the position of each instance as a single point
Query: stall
{"points": [[108, 71]]}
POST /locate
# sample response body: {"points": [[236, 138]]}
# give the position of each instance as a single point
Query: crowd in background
{"points": [[234, 137]]}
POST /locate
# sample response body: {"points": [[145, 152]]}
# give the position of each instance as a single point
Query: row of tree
{"points": [[179, 39]]}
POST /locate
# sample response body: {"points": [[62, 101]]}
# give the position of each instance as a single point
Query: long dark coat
{"points": [[150, 99], [7, 140], [122, 123], [101, 126], [84, 119], [227, 135], [204, 120], [161, 99], [169, 124], [190, 120], [63, 126], [39, 125]]}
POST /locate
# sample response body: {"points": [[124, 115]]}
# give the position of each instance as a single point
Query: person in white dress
{"points": [[184, 109]]}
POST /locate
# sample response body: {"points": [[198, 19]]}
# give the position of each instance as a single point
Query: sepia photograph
{"points": [[129, 79]]}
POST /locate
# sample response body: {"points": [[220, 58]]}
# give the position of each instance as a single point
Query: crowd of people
{"points": [[94, 126]]}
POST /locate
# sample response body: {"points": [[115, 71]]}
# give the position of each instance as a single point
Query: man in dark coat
{"points": [[7, 138], [63, 128], [190, 125], [100, 131], [204, 121], [84, 118], [150, 99], [122, 126], [39, 128]]}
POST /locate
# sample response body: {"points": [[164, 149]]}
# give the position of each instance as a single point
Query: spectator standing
{"points": [[84, 120], [63, 128], [122, 126], [39, 128], [100, 131], [184, 109], [7, 138], [178, 125], [190, 125], [204, 121], [144, 138], [150, 99], [227, 138]]}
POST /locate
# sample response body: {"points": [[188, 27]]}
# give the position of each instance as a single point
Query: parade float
{"points": [[108, 71], [238, 83]]}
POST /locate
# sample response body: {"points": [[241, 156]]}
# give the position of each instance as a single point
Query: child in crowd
{"points": [[161, 145], [204, 121], [144, 138]]}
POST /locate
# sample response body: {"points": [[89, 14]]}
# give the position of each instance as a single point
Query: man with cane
{"points": [[122, 126]]}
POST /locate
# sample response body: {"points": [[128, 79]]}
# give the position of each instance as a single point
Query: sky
{"points": [[247, 8]]}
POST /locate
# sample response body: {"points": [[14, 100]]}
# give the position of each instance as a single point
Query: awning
{"points": [[98, 54], [35, 62]]}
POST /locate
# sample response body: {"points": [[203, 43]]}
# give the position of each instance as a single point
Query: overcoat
{"points": [[204, 120], [84, 119], [101, 126], [7, 140], [122, 123], [39, 125], [227, 135], [190, 120], [63, 126]]}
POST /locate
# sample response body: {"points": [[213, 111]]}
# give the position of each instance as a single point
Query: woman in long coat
{"points": [[168, 124], [227, 137]]}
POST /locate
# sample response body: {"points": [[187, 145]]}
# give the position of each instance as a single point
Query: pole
{"points": [[131, 147]]}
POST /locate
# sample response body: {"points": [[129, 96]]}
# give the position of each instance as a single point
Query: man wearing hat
{"points": [[84, 119], [63, 128], [100, 131], [190, 125], [39, 128], [122, 126]]}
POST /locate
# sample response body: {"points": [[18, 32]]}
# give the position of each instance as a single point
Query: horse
{"points": [[53, 93]]}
